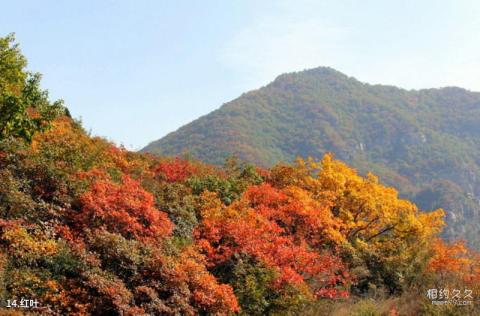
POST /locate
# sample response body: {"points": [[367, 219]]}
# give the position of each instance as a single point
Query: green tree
{"points": [[24, 106]]}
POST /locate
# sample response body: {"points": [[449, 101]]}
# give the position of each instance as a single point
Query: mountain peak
{"points": [[313, 78], [323, 73], [327, 106], [410, 138]]}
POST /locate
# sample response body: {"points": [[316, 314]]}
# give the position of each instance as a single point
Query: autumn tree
{"points": [[175, 170], [453, 262], [247, 227], [385, 236], [123, 208]]}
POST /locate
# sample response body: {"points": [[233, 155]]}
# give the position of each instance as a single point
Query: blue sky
{"points": [[137, 70]]}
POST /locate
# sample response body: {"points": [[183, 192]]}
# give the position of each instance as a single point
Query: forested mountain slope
{"points": [[425, 142], [89, 228]]}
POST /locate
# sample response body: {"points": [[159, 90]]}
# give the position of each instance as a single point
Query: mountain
{"points": [[424, 142]]}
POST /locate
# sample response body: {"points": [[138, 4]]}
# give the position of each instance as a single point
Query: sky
{"points": [[134, 71]]}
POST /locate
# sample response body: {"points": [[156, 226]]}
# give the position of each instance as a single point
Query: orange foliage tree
{"points": [[124, 208], [454, 261], [175, 170], [379, 233], [207, 293], [257, 226]]}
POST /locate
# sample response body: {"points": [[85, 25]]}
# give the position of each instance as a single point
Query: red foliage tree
{"points": [[297, 212], [175, 170], [124, 208], [260, 226], [207, 293]]}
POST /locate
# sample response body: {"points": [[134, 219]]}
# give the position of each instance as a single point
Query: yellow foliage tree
{"points": [[376, 224]]}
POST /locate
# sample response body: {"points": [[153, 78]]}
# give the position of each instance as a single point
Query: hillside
{"points": [[89, 228], [423, 142]]}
